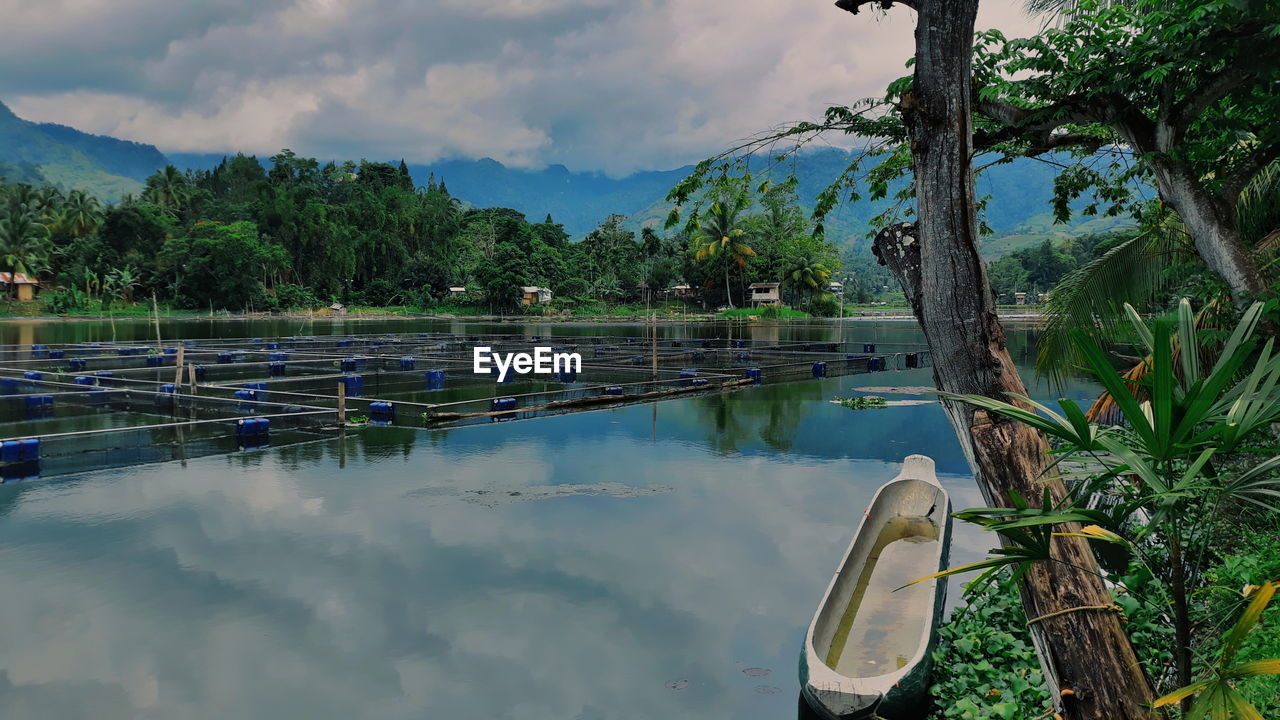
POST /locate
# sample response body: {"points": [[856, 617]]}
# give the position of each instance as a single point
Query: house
{"points": [[456, 290], [1019, 298], [683, 291], [25, 285], [835, 288], [533, 295], [765, 294]]}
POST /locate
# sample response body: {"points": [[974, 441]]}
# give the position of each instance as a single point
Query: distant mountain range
{"points": [[68, 158], [109, 168]]}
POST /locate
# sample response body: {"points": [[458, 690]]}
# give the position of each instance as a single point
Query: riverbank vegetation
{"points": [[297, 234]]}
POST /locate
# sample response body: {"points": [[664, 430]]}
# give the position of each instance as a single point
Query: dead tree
{"points": [[1088, 660]]}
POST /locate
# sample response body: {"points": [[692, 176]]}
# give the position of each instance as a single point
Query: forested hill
{"points": [[1018, 211], [71, 159]]}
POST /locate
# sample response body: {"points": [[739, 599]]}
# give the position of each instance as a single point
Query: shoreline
{"points": [[639, 319]]}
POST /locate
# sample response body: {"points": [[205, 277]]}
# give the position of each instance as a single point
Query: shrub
{"points": [[290, 297], [824, 306], [985, 667], [66, 301]]}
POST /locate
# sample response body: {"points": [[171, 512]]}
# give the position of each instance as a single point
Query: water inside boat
{"points": [[880, 631]]}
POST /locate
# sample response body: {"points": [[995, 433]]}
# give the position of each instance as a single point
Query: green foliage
{"points": [[65, 302], [862, 402], [768, 312], [985, 666]]}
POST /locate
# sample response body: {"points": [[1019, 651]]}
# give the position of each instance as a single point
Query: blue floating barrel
{"points": [[167, 388], [39, 405], [39, 351], [502, 404], [39, 347], [868, 347], [408, 362], [278, 356], [259, 390], [567, 376], [687, 375], [201, 372], [33, 375], [435, 379], [224, 358], [253, 429], [104, 374], [696, 355], [57, 354], [755, 374], [257, 340], [382, 411], [276, 369], [819, 369], [347, 365], [630, 340], [189, 343], [155, 360], [637, 360], [613, 390], [739, 343], [82, 380], [273, 346], [170, 351], [8, 386], [700, 381], [24, 450], [354, 384], [77, 364], [343, 343], [246, 395], [875, 364]]}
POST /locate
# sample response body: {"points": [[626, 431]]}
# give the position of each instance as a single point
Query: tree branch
{"points": [[854, 6]]}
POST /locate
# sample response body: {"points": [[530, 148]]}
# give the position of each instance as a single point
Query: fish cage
{"points": [[67, 408]]}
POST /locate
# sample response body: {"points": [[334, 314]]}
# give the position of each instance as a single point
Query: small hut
{"points": [[24, 284], [534, 295], [457, 290], [765, 294]]}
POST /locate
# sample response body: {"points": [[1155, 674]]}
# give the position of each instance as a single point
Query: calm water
{"points": [[657, 561]]}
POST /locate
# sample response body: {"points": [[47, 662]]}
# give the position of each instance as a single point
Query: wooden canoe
{"points": [[867, 649]]}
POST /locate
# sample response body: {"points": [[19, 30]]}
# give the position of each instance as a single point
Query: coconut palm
{"points": [[24, 244], [806, 276], [719, 237], [81, 213], [169, 189]]}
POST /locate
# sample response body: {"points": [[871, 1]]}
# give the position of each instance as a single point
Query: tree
{"points": [[24, 244], [169, 189], [717, 237], [1185, 87], [806, 276], [82, 213], [937, 263]]}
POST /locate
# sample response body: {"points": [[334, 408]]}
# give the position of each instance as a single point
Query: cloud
{"points": [[592, 84]]}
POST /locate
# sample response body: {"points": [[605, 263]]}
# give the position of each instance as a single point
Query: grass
{"points": [[782, 313]]}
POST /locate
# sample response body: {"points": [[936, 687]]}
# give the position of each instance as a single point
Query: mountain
{"points": [[68, 158]]}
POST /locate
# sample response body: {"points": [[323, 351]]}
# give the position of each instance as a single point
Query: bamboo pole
{"points": [[191, 376], [342, 404], [177, 376], [653, 332]]}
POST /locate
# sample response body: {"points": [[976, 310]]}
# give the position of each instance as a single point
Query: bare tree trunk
{"points": [[1088, 660]]}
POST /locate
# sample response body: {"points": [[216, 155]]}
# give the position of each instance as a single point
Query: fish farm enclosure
{"points": [[74, 407]]}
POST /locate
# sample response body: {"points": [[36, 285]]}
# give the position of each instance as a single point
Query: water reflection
{"points": [[640, 562]]}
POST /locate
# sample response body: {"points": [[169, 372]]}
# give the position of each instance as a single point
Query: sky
{"points": [[596, 85]]}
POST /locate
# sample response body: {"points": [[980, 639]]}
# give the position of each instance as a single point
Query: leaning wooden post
{"points": [[191, 377], [177, 375], [342, 404]]}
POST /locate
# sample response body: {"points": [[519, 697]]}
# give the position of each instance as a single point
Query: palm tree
{"points": [[718, 236], [82, 213], [168, 188], [806, 275], [23, 244]]}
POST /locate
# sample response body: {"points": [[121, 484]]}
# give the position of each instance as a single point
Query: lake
{"points": [[650, 561]]}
